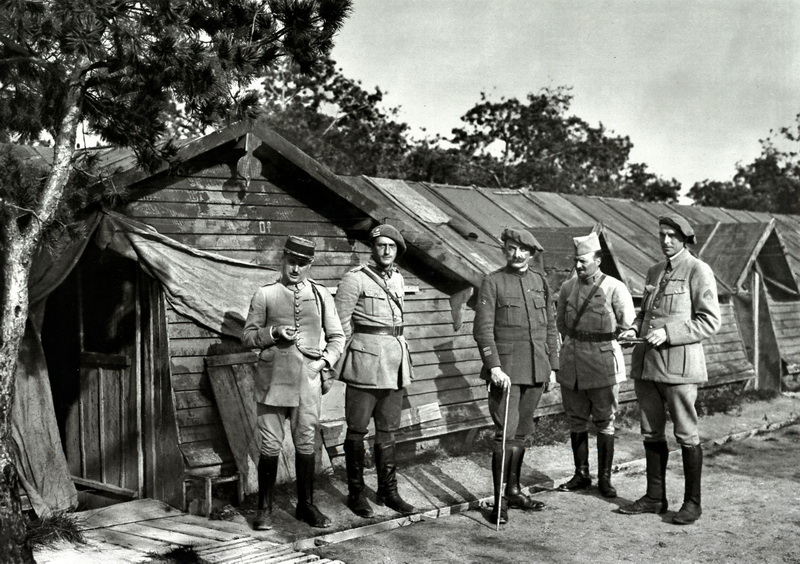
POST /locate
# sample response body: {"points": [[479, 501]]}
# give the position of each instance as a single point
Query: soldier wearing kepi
{"points": [[516, 335], [376, 367], [294, 324], [679, 310], [593, 309]]}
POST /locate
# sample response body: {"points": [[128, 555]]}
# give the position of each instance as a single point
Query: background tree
{"points": [[335, 120], [115, 65], [771, 183], [536, 143]]}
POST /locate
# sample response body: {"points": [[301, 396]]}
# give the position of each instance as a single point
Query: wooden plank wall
{"points": [[786, 324]]}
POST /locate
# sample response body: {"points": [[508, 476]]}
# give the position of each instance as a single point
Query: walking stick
{"points": [[507, 393]]}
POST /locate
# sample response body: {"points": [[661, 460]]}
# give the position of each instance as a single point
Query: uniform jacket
{"points": [[684, 302], [515, 326], [280, 363], [610, 310], [373, 361]]}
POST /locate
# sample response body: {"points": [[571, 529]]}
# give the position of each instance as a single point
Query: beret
{"points": [[677, 222], [521, 237], [386, 230], [586, 244], [299, 247]]}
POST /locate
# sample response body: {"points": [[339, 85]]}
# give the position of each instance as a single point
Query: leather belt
{"points": [[589, 337], [370, 330]]}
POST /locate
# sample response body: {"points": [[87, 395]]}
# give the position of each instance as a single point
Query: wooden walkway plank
{"points": [[221, 548], [200, 531], [236, 528], [162, 535], [133, 542], [122, 513]]}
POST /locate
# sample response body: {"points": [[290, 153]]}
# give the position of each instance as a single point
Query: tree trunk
{"points": [[19, 244]]}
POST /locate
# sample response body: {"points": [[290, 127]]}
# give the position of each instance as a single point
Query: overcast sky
{"points": [[695, 84]]}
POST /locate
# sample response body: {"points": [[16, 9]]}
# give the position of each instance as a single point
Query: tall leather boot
{"points": [[500, 503], [387, 480], [580, 454], [267, 472], [306, 510], [655, 500], [514, 495], [354, 461], [605, 460], [692, 470]]}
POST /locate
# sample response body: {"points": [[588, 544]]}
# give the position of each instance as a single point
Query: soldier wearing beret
{"points": [[376, 367], [679, 310], [516, 336], [593, 309], [294, 324]]}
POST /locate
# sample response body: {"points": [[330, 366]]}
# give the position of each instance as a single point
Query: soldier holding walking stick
{"points": [[516, 336]]}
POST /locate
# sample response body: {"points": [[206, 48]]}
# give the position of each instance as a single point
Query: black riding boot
{"points": [[692, 471], [354, 461], [580, 453], [498, 474], [655, 500], [387, 480], [605, 460], [267, 472], [514, 495], [306, 510]]}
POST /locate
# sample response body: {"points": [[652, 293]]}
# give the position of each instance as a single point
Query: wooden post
{"points": [[756, 291]]}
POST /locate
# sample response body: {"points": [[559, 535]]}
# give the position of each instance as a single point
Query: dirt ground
{"points": [[751, 504]]}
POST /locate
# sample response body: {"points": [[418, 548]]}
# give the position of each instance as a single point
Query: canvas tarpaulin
{"points": [[34, 431], [212, 290]]}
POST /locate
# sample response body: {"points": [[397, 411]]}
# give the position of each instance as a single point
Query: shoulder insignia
{"points": [[359, 268]]}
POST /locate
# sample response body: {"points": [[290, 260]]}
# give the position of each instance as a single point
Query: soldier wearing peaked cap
{"points": [[516, 336], [679, 310], [293, 323], [593, 309], [376, 367]]}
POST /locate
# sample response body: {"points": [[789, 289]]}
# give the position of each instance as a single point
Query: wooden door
{"points": [[103, 424]]}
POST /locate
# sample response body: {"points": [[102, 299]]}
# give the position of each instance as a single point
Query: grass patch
{"points": [[550, 430], [57, 527]]}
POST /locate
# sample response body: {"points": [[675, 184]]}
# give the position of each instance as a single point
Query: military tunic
{"points": [[515, 327], [684, 302], [279, 362], [586, 364], [373, 361]]}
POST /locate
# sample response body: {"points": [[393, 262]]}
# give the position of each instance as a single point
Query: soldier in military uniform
{"points": [[679, 310], [376, 367], [592, 309], [516, 336], [294, 324]]}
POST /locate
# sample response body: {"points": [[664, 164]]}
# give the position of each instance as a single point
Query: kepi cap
{"points": [[586, 244], [677, 222], [299, 247], [386, 230], [521, 237]]}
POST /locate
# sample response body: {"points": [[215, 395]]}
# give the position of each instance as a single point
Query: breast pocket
{"points": [[373, 302], [540, 305], [509, 312], [599, 319], [676, 297]]}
